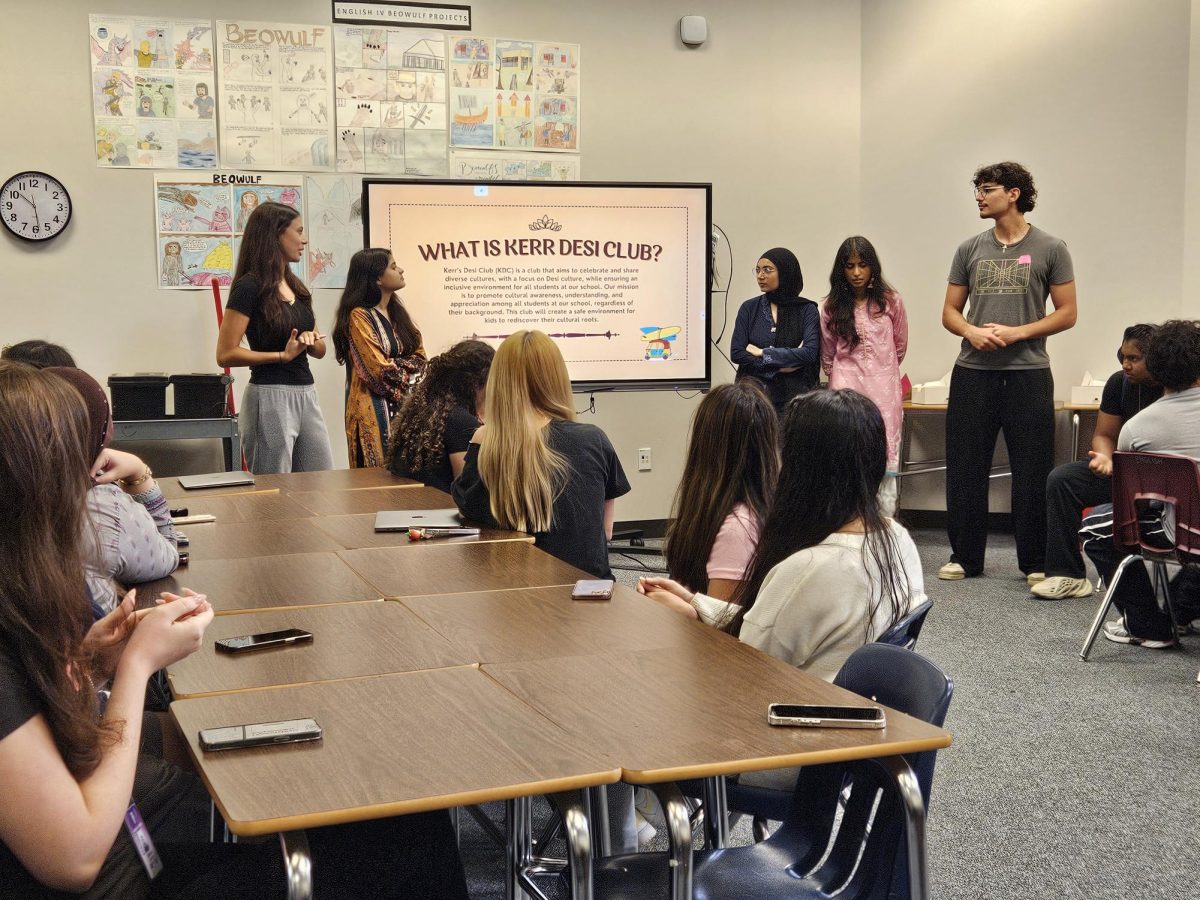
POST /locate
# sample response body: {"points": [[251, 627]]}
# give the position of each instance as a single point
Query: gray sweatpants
{"points": [[283, 430]]}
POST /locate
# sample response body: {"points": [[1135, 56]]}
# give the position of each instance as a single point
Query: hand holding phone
{"points": [[593, 589], [808, 716]]}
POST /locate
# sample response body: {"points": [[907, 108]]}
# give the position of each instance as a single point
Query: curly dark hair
{"points": [[452, 379], [1010, 175], [840, 301], [1173, 354]]}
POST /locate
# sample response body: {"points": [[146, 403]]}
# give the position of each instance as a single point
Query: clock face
{"points": [[35, 206]]}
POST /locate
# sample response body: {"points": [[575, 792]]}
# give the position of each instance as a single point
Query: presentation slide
{"points": [[617, 274]]}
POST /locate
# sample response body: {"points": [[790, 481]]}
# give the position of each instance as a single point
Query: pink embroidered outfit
{"points": [[873, 367]]}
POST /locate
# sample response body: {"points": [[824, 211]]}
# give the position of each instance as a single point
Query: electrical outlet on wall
{"points": [[644, 459]]}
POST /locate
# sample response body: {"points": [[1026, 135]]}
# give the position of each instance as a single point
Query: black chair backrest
{"points": [[906, 631]]}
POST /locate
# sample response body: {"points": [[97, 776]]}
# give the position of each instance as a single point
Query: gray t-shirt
{"points": [[1009, 286], [1169, 425]]}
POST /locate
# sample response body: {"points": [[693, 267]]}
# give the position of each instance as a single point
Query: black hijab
{"points": [[788, 325]]}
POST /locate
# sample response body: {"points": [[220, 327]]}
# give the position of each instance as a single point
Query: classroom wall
{"points": [[1092, 95], [767, 110], [813, 119]]}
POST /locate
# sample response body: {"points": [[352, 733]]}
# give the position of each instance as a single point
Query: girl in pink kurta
{"points": [[864, 334]]}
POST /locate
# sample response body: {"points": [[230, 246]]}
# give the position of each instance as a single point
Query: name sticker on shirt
{"points": [[140, 835], [1025, 260]]}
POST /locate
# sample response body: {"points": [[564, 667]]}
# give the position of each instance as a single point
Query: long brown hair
{"points": [[44, 610], [452, 379], [362, 291], [522, 473], [261, 258], [732, 457], [834, 456]]}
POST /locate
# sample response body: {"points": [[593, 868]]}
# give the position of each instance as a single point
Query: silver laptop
{"points": [[216, 479], [404, 519]]}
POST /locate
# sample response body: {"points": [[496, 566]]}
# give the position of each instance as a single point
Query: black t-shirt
{"points": [[19, 702], [244, 297], [594, 475], [1125, 399], [456, 436]]}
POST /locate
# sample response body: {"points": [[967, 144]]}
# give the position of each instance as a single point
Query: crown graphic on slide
{"points": [[545, 223]]}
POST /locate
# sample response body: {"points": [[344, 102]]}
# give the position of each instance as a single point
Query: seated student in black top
{"points": [[1074, 486], [533, 468], [431, 432], [69, 771]]}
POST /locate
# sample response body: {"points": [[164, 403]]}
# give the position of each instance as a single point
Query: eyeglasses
{"points": [[765, 270], [987, 189]]}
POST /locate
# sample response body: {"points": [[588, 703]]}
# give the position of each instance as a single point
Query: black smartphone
{"points": [[592, 589], [261, 734], [266, 639], [806, 716]]}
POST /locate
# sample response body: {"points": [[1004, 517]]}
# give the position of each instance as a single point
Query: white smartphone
{"points": [[260, 734], [806, 716]]}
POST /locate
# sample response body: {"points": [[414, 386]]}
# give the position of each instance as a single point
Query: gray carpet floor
{"points": [[1066, 779]]}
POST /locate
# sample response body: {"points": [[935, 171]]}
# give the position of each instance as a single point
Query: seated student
{"points": [[70, 771], [128, 535], [729, 480], [1171, 425], [1074, 486], [533, 468], [39, 354], [433, 429], [830, 573]]}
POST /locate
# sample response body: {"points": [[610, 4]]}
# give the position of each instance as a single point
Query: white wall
{"points": [[1092, 95], [813, 119], [767, 110]]}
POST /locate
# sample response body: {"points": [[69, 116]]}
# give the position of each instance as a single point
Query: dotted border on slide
{"points": [[687, 229]]}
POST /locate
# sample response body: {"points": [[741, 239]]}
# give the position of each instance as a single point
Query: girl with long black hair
{"points": [[830, 572], [375, 339], [281, 424]]}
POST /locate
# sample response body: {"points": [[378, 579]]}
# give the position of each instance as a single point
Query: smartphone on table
{"points": [[809, 716], [266, 639], [593, 589], [232, 737]]}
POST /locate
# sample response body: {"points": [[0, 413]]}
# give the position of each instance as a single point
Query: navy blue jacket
{"points": [[755, 326]]}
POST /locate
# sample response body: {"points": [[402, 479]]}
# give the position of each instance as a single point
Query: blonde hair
{"points": [[528, 381]]}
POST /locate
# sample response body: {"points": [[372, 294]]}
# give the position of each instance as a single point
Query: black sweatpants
{"points": [[984, 402], [1071, 489]]}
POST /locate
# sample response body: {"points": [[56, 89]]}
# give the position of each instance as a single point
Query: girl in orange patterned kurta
{"points": [[375, 338]]}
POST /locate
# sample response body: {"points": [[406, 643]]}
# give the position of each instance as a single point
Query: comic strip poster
{"points": [[471, 166], [390, 97], [154, 95], [276, 95], [333, 223], [513, 94], [199, 224]]}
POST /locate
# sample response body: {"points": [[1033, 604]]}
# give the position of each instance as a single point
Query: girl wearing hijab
{"points": [[128, 536], [777, 335]]}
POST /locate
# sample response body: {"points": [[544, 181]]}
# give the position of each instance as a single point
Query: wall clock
{"points": [[35, 206]]}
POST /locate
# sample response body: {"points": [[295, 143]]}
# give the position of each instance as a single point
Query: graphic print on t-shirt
{"points": [[1002, 276]]}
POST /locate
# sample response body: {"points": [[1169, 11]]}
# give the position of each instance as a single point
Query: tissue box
{"points": [[930, 393], [1086, 394]]}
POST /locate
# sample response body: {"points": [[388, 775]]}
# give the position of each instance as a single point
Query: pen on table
{"points": [[424, 534]]}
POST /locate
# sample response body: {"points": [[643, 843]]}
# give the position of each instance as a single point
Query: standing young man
{"points": [[1002, 379]]}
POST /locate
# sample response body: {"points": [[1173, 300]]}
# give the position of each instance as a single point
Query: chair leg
{"points": [[601, 835], [297, 864], [760, 829], [519, 845], [572, 808], [1105, 604], [914, 818], [716, 813]]}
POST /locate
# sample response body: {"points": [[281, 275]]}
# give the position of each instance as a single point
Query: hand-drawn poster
{"points": [[153, 92], [276, 95], [471, 166], [199, 223], [333, 222], [513, 94], [390, 96]]}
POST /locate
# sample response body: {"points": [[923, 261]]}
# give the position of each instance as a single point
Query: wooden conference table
{"points": [[478, 680]]}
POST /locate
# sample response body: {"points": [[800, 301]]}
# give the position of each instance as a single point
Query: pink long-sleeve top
{"points": [[873, 367]]}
